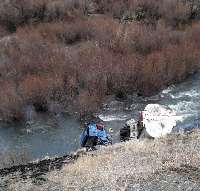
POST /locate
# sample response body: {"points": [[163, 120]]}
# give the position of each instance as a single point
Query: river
{"points": [[58, 135]]}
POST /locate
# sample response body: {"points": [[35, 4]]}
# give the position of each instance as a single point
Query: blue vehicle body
{"points": [[83, 137], [92, 131]]}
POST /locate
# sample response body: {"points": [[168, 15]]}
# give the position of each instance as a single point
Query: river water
{"points": [[58, 135]]}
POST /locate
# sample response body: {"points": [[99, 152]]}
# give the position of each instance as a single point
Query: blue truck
{"points": [[94, 134]]}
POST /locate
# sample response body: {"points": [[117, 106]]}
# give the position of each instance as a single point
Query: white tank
{"points": [[158, 120]]}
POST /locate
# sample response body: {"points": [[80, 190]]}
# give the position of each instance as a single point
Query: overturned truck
{"points": [[155, 121], [94, 134]]}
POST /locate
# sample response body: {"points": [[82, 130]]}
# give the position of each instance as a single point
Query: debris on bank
{"points": [[35, 169]]}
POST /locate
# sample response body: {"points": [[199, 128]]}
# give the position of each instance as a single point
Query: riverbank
{"points": [[170, 163], [50, 135]]}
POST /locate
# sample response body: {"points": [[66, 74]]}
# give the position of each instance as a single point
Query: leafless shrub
{"points": [[67, 60], [175, 12], [15, 13], [10, 102]]}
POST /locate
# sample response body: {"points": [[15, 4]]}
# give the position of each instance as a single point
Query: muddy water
{"points": [[46, 136], [59, 135]]}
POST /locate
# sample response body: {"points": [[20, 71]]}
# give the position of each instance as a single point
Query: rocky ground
{"points": [[170, 163]]}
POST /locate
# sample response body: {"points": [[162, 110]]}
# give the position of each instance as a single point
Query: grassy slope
{"points": [[170, 163]]}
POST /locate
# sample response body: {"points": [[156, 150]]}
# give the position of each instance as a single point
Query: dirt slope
{"points": [[170, 163]]}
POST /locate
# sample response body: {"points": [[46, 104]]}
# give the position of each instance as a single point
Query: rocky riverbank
{"points": [[170, 163]]}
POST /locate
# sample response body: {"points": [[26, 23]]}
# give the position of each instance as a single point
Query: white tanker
{"points": [[154, 122]]}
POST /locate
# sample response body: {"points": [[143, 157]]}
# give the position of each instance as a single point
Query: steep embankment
{"points": [[170, 163]]}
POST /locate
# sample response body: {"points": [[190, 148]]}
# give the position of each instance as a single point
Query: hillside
{"points": [[72, 57], [167, 164]]}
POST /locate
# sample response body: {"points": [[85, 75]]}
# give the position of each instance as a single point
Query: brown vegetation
{"points": [[15, 13], [58, 54]]}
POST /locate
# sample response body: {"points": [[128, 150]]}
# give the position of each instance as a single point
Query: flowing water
{"points": [[59, 135], [183, 99]]}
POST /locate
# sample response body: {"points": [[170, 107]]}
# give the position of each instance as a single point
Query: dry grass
{"points": [[170, 163], [10, 159], [118, 167]]}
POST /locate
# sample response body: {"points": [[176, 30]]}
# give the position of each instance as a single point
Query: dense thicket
{"points": [[73, 53]]}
